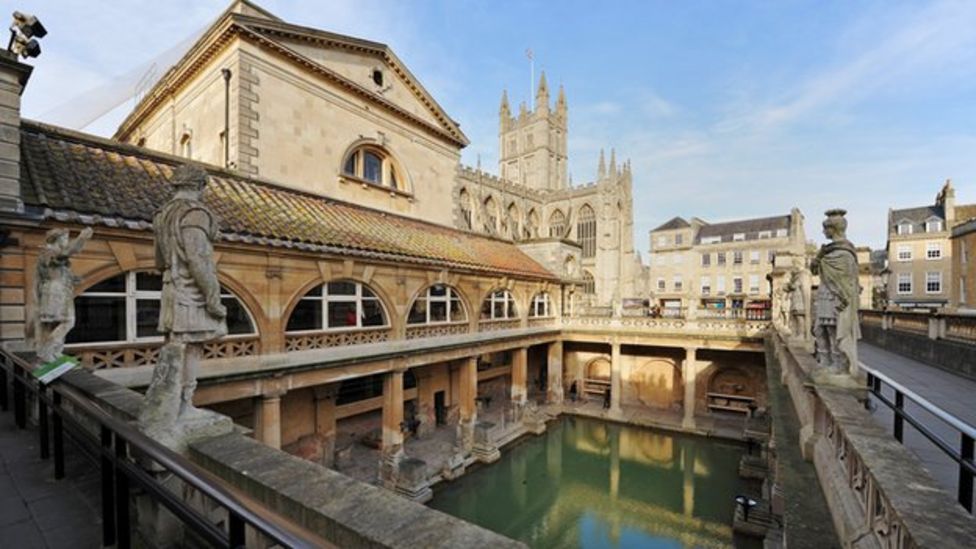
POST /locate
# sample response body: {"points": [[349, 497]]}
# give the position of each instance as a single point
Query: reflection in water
{"points": [[586, 483]]}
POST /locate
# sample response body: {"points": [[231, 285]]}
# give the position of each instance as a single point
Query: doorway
{"points": [[440, 412]]}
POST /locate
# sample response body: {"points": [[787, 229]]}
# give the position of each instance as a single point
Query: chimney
{"points": [[13, 78]]}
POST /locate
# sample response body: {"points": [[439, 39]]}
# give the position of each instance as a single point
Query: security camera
{"points": [[24, 31]]}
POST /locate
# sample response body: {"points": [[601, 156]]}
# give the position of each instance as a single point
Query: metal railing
{"points": [[967, 433], [64, 410]]}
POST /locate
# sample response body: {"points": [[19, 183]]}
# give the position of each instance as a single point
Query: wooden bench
{"points": [[729, 403]]}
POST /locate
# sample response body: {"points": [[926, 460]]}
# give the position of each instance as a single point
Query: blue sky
{"points": [[727, 109]]}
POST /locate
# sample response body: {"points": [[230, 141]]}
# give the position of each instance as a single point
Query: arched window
{"points": [[125, 308], [499, 305], [440, 303], [339, 305], [532, 224], [373, 164], [513, 221], [586, 231], [589, 284], [186, 145], [557, 224], [464, 201], [541, 306], [491, 215]]}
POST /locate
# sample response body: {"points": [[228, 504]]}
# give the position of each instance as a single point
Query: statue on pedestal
{"points": [[54, 292], [835, 326], [190, 312], [797, 304]]}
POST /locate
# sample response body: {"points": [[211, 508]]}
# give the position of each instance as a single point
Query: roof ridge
{"points": [[103, 146]]}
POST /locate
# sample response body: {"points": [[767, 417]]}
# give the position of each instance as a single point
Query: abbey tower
{"points": [[532, 145]]}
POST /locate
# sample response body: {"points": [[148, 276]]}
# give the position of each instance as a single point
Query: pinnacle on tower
{"points": [[613, 162], [542, 94], [523, 111], [601, 171], [503, 110], [561, 106]]}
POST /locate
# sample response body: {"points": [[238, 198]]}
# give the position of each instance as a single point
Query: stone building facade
{"points": [[962, 295], [716, 269], [920, 251]]}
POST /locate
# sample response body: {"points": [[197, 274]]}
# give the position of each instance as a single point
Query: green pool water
{"points": [[586, 483]]}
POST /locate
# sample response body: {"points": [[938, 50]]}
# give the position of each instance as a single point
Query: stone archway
{"points": [[596, 376], [657, 383], [732, 381]]}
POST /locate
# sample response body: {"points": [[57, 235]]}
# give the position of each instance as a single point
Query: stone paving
{"points": [[952, 393], [35, 509]]}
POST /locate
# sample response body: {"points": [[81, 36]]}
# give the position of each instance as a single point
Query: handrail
{"points": [[967, 433], [240, 511]]}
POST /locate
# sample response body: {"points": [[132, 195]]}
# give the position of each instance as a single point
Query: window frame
{"points": [[904, 278], [905, 249], [131, 296], [541, 301], [503, 297], [933, 247], [450, 295], [929, 282], [326, 298], [392, 175]]}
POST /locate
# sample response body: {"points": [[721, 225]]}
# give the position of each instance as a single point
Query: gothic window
{"points": [[589, 284], [125, 308], [586, 231], [557, 224], [465, 203], [499, 305], [541, 306], [186, 145], [438, 304], [339, 305], [532, 224], [513, 220], [372, 164], [491, 215]]}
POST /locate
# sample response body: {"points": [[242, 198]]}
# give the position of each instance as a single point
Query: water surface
{"points": [[589, 484]]}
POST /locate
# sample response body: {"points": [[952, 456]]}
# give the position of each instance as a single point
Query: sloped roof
{"points": [[965, 212], [253, 23], [70, 176], [674, 223], [749, 227], [918, 215]]}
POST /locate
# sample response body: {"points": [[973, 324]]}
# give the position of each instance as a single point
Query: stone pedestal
{"points": [[454, 467], [412, 482], [484, 449], [162, 418]]}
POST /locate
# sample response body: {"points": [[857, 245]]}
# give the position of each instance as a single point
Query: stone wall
{"points": [[346, 512], [953, 356], [877, 491]]}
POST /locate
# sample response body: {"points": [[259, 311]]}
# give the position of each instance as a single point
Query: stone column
{"points": [[325, 420], [615, 382], [391, 449], [520, 375], [468, 411], [689, 373], [393, 411], [554, 385], [267, 423]]}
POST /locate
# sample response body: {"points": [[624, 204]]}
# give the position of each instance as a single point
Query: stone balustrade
{"points": [[665, 325], [124, 355], [941, 340], [877, 491]]}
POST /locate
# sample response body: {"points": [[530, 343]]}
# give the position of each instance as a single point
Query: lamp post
{"points": [[746, 503]]}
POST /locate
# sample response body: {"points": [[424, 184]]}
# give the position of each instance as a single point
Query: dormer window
{"points": [[933, 225], [905, 227], [738, 236], [371, 164]]}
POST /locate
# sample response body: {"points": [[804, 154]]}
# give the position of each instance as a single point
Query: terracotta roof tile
{"points": [[64, 171]]}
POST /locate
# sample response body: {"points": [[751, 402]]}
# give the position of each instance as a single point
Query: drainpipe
{"points": [[226, 72]]}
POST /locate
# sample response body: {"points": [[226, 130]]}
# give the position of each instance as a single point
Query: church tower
{"points": [[532, 145]]}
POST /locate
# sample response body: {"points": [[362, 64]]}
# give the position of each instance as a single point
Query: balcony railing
{"points": [[124, 355], [959, 328], [114, 445]]}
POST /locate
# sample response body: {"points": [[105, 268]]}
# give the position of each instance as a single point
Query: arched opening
{"points": [[586, 231], [370, 163], [437, 304], [541, 306], [657, 383], [512, 220], [557, 224], [589, 283], [532, 224], [491, 215], [337, 305], [464, 202], [596, 377], [499, 305]]}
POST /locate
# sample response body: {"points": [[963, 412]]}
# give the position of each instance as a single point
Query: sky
{"points": [[727, 109]]}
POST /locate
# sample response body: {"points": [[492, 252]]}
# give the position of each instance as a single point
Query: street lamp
{"points": [[746, 503]]}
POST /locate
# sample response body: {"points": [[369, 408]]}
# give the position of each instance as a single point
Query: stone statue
{"points": [[835, 327], [54, 292], [797, 304], [190, 310]]}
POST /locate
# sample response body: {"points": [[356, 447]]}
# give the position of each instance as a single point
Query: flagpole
{"points": [[528, 53]]}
